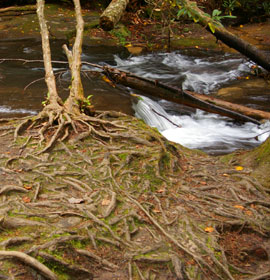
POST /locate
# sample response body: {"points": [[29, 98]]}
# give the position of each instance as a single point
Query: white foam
{"points": [[210, 132], [201, 75], [8, 110]]}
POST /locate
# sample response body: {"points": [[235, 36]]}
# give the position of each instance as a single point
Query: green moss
{"points": [[78, 244], [123, 156], [121, 33], [194, 42]]}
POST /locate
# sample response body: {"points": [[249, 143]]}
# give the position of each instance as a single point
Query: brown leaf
{"points": [[26, 199], [161, 191], [27, 187], [239, 207], [105, 202], [209, 229], [248, 212]]}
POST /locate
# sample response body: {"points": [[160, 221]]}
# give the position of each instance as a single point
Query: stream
{"points": [[196, 70]]}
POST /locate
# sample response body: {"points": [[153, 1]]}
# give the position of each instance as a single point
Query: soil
{"points": [[127, 203], [135, 31], [134, 206]]}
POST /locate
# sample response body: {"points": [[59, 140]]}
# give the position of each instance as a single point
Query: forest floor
{"points": [[135, 32], [131, 205]]}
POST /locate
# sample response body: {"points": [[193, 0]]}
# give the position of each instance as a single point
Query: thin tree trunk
{"points": [[52, 96], [195, 100], [76, 95], [112, 14], [227, 37]]}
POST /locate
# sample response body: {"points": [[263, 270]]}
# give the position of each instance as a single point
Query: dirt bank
{"points": [[137, 33], [127, 203], [133, 207]]}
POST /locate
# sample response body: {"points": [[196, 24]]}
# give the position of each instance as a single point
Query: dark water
{"points": [[16, 75], [200, 71]]}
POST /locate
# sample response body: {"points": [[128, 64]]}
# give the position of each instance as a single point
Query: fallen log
{"points": [[228, 38], [112, 14], [250, 112], [20, 9], [209, 104]]}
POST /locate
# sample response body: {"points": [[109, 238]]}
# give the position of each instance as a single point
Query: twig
{"points": [[33, 82], [111, 206], [177, 125], [130, 270], [262, 276], [97, 258]]}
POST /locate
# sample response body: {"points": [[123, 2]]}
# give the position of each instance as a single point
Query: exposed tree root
{"points": [[42, 269], [125, 200]]}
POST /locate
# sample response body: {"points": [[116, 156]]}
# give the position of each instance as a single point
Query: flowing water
{"points": [[203, 72]]}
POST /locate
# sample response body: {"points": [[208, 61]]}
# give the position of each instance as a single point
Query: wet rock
{"points": [[245, 87], [231, 91]]}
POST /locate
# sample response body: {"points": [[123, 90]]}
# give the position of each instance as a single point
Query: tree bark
{"points": [[209, 104], [76, 95], [52, 95], [228, 38], [112, 14], [250, 112]]}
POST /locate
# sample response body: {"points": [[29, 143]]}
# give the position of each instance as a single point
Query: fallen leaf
{"points": [[105, 202], [74, 200], [248, 212], [209, 229], [26, 199], [104, 78], [239, 168], [239, 207], [161, 191]]}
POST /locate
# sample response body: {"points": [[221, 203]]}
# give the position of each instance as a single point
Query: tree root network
{"points": [[106, 196]]}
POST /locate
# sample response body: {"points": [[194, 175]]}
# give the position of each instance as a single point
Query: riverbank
{"points": [[134, 207], [127, 204], [138, 34]]}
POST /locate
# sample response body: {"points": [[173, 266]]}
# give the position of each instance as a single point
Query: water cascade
{"points": [[197, 130]]}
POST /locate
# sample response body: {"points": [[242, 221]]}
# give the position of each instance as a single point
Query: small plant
{"points": [[230, 5], [86, 105], [216, 15], [121, 34], [88, 100], [46, 101], [266, 7]]}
